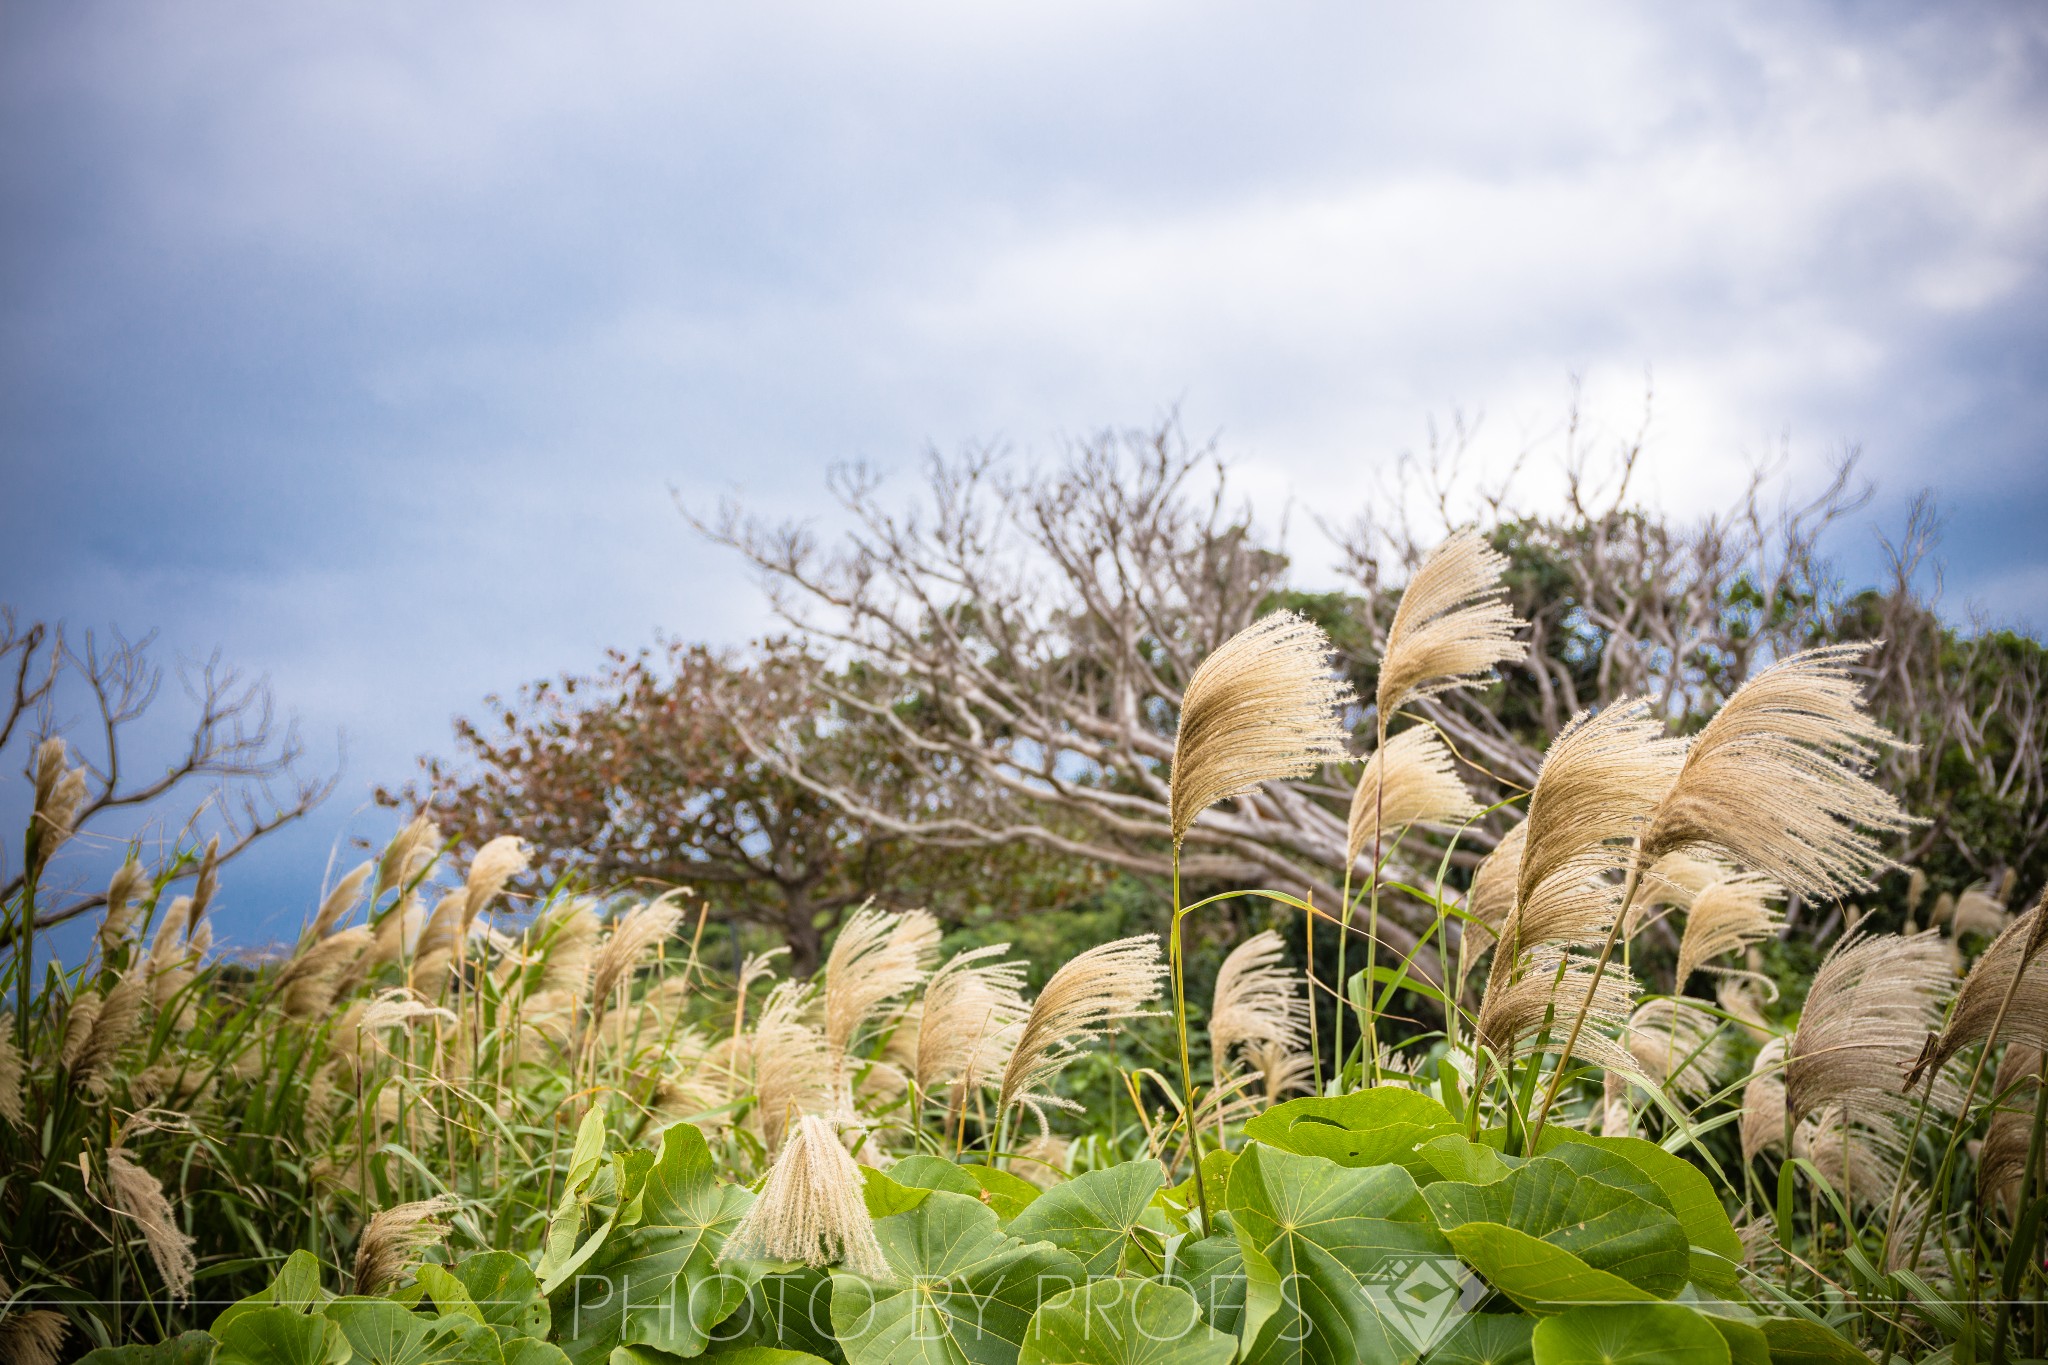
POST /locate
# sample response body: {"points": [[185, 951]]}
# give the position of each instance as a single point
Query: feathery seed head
{"points": [[127, 883], [811, 1209], [13, 1075], [878, 956], [636, 934], [1725, 916], [32, 1336], [1492, 896], [2016, 953], [969, 1018], [1763, 1101], [407, 855], [338, 902], [1678, 1046], [1421, 786], [1776, 779], [394, 1238], [1258, 999], [138, 1195], [1262, 708], [1868, 1012], [1106, 984], [1514, 1014], [496, 863], [1453, 625]]}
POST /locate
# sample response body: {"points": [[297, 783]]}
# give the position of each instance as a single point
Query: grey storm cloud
{"points": [[367, 341]]}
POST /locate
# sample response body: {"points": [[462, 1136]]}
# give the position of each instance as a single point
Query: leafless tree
{"points": [[248, 759]]}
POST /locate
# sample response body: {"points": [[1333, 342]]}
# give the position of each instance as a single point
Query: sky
{"points": [[374, 344]]}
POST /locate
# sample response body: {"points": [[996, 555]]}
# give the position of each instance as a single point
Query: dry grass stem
{"points": [[1262, 708]]}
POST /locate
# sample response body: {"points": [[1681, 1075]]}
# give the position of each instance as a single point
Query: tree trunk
{"points": [[800, 931]]}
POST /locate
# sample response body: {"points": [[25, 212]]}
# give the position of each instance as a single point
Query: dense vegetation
{"points": [[1702, 1027]]}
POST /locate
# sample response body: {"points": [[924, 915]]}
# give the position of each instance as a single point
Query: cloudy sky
{"points": [[367, 341]]}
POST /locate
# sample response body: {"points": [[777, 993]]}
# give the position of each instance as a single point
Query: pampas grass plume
{"points": [[1262, 708], [1110, 982], [811, 1209], [1414, 780], [1776, 779], [1453, 625], [1868, 1012], [140, 1196], [393, 1239]]}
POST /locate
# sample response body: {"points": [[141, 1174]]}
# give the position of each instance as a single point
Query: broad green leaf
{"points": [[282, 1336], [1688, 1193], [1485, 1339], [1747, 1344], [504, 1289], [1795, 1341], [1212, 1270], [566, 1249], [1374, 1127], [190, 1348], [450, 1296], [1093, 1215], [1123, 1322], [760, 1355], [297, 1287], [923, 1172], [1629, 1334], [1361, 1272], [1510, 1229], [1177, 1200], [784, 1310], [1009, 1195], [962, 1290], [1453, 1158], [884, 1195], [381, 1332], [1539, 1277], [656, 1283], [532, 1351]]}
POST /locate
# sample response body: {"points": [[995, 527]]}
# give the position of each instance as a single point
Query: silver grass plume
{"points": [[1513, 1013], [792, 1065], [811, 1209], [1262, 708], [970, 1016], [407, 855], [1868, 1011], [1678, 1046], [394, 1238], [2002, 1162], [1258, 999], [127, 883], [434, 953], [565, 937], [1672, 882], [1283, 1071], [1776, 779], [1492, 898], [13, 1075], [1859, 1160], [496, 863], [338, 902], [120, 1016], [1453, 625], [170, 930], [1414, 780], [32, 1336], [1977, 911], [307, 984], [60, 795], [78, 1025], [398, 931], [1763, 1102], [1739, 997], [1726, 916], [878, 957], [2007, 987], [138, 1195], [1108, 983], [355, 1034], [636, 934]]}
